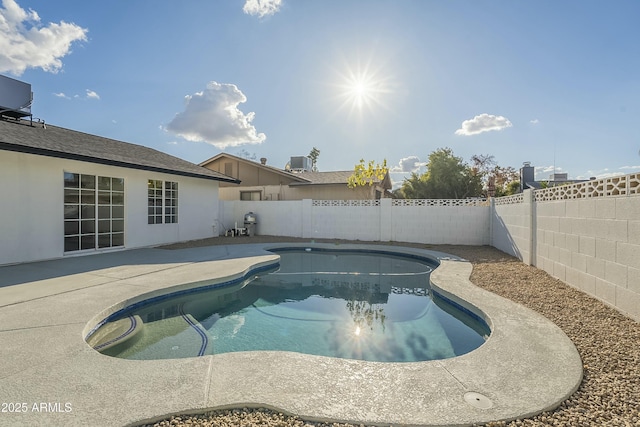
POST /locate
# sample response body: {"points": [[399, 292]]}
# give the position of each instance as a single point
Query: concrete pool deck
{"points": [[50, 376]]}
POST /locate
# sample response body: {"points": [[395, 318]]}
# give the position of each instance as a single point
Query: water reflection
{"points": [[357, 306]]}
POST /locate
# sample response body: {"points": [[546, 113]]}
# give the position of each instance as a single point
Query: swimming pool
{"points": [[365, 305]]}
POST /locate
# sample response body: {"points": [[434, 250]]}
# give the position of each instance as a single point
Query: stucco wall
{"points": [[300, 192], [32, 214]]}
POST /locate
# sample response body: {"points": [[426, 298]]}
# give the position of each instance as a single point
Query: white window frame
{"points": [[94, 212], [162, 202]]}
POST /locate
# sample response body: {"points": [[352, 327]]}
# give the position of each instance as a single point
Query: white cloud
{"points": [[212, 116], [92, 95], [534, 121], [262, 8], [483, 123], [408, 164], [548, 169], [25, 43], [544, 172]]}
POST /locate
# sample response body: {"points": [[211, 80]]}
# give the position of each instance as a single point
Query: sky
{"points": [[553, 83]]}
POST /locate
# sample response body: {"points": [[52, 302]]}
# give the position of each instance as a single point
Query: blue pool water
{"points": [[358, 305]]}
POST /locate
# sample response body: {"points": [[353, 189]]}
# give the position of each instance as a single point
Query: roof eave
{"points": [[79, 157], [258, 165]]}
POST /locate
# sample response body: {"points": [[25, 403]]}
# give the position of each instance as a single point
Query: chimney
{"points": [[263, 160], [527, 174]]}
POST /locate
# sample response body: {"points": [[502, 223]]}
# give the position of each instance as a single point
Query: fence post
{"points": [[307, 219], [529, 204], [386, 220], [492, 213]]}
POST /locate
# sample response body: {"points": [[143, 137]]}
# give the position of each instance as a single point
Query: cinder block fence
{"points": [[585, 234]]}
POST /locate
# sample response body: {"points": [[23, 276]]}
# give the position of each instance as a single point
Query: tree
{"points": [[447, 177], [507, 180], [367, 175], [414, 187], [512, 188], [485, 166], [313, 155]]}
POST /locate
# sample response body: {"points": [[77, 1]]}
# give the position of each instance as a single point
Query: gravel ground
{"points": [[608, 342]]}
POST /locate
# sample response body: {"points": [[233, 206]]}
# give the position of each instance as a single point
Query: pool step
{"points": [[115, 333], [171, 338]]}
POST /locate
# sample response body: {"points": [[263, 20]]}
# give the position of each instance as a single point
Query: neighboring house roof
{"points": [[53, 141], [536, 185], [335, 177], [299, 178], [290, 175], [314, 178]]}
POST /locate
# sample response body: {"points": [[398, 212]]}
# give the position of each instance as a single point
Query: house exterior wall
{"points": [[301, 192], [32, 214], [328, 192], [585, 234]]}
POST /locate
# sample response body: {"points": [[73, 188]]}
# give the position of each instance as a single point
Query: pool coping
{"points": [[527, 365]]}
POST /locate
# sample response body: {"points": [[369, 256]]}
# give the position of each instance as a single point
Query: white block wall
{"points": [[591, 243], [464, 225], [594, 245], [511, 227], [275, 218], [346, 222], [455, 225]]}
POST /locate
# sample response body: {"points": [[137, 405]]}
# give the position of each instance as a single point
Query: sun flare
{"points": [[363, 88]]}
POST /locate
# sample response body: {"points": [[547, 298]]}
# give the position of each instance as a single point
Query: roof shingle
{"points": [[59, 142]]}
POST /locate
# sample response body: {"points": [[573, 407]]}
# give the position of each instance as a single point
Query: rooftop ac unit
{"points": [[300, 164], [15, 97]]}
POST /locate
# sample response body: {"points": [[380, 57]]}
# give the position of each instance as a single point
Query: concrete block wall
{"points": [[594, 245], [345, 222], [374, 220], [587, 235], [455, 225], [511, 225], [275, 218]]}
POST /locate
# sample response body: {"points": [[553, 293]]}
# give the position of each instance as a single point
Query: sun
{"points": [[360, 92], [362, 88]]}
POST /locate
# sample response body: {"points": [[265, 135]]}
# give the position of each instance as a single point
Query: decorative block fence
{"points": [[464, 222], [585, 234]]}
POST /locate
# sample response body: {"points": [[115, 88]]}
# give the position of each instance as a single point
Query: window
{"points": [[170, 202], [163, 202], [250, 195], [93, 212]]}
